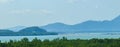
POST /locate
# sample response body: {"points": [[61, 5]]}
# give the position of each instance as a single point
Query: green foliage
{"points": [[64, 42]]}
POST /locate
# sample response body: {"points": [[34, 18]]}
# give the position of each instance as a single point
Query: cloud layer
{"points": [[30, 11], [6, 1], [72, 1], [42, 12]]}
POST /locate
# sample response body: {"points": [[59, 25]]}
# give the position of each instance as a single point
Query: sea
{"points": [[68, 36]]}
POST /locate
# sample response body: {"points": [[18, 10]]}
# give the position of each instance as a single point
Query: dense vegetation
{"points": [[62, 43]]}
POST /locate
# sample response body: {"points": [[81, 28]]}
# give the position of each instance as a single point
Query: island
{"points": [[28, 31]]}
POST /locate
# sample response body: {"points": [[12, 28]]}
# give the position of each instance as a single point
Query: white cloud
{"points": [[29, 11], [5, 1], [46, 11], [72, 1], [20, 11], [96, 6], [75, 1]]}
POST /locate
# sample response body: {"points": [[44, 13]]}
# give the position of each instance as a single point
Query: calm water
{"points": [[69, 36]]}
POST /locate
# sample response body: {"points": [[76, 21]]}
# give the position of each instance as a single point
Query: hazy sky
{"points": [[42, 12]]}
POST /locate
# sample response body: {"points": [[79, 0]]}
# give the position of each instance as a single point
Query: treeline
{"points": [[64, 42]]}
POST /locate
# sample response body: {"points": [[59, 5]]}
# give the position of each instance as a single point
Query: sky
{"points": [[43, 12]]}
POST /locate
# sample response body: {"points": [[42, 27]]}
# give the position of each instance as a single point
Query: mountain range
{"points": [[87, 26]]}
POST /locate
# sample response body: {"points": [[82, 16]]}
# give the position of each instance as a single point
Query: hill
{"points": [[28, 31]]}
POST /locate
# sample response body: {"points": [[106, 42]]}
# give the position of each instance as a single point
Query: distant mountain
{"points": [[17, 28], [6, 32], [35, 31], [28, 31], [32, 29], [57, 27], [88, 26]]}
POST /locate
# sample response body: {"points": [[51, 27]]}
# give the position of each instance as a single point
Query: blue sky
{"points": [[42, 12]]}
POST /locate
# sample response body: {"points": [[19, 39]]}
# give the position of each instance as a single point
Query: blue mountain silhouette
{"points": [[88, 26], [28, 31]]}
